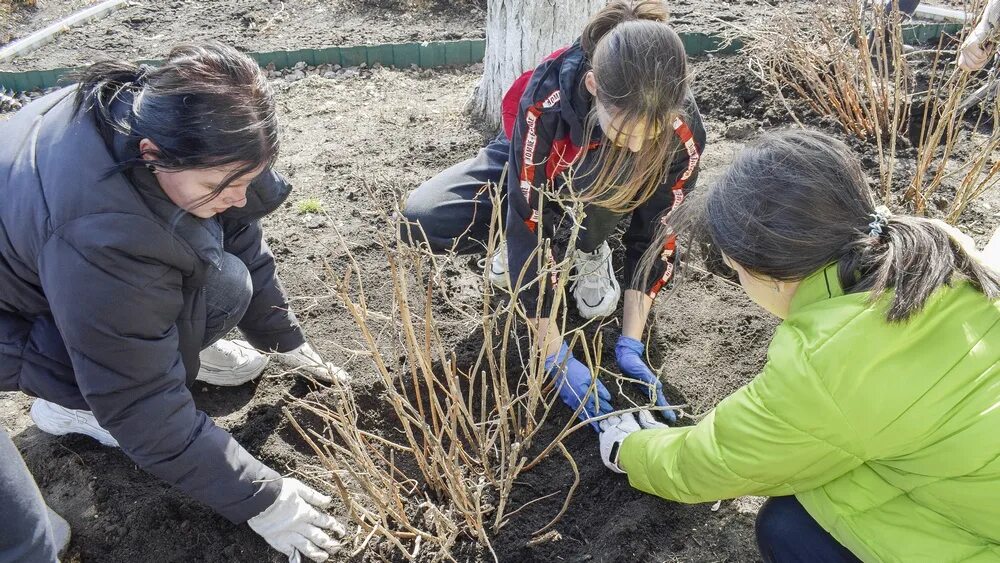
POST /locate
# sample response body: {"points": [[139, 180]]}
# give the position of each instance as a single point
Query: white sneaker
{"points": [[229, 363], [498, 267], [594, 285], [58, 420]]}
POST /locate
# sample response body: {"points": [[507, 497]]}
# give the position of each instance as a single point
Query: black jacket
{"points": [[102, 301], [545, 114]]}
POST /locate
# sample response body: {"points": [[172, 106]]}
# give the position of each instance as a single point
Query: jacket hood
{"points": [[576, 101]]}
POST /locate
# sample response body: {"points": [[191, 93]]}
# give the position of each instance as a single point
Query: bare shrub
{"points": [[957, 138], [468, 418], [827, 63], [849, 63]]}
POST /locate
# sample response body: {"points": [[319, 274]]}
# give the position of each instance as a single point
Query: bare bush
{"points": [[468, 418], [850, 63], [957, 138], [828, 63]]}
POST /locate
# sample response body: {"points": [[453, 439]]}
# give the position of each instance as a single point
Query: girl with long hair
{"points": [[873, 424], [610, 118]]}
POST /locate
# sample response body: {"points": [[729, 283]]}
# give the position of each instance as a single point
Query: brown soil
{"points": [[148, 29]]}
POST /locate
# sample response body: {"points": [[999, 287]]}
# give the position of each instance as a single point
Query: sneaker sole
{"points": [[57, 423], [228, 378], [596, 313], [499, 281], [601, 310]]}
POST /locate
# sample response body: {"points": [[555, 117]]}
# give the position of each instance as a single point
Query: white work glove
{"points": [[616, 428], [295, 524], [305, 359], [991, 254], [974, 53]]}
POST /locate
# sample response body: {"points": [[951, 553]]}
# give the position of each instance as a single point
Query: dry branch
{"points": [[849, 62], [466, 423]]}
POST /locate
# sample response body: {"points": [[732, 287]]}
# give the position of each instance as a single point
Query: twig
{"points": [[569, 495]]}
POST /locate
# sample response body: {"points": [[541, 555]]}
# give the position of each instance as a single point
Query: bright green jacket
{"points": [[888, 434]]}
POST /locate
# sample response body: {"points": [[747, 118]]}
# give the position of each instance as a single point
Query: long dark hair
{"points": [[797, 201], [207, 106], [640, 68]]}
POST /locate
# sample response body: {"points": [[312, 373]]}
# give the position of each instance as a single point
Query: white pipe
{"points": [[935, 13], [46, 34]]}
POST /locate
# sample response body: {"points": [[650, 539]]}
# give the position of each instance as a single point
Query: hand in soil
{"points": [[295, 524], [306, 360], [573, 380], [629, 352], [616, 428]]}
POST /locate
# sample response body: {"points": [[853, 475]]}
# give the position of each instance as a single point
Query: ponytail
{"points": [[797, 201], [100, 84], [913, 256], [618, 12]]}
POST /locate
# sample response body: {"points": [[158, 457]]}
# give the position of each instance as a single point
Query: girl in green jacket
{"points": [[876, 421]]}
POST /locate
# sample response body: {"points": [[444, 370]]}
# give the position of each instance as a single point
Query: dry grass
{"points": [[8, 7], [827, 63], [849, 64], [7, 10]]}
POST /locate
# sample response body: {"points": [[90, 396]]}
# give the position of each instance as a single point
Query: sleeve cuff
{"points": [[281, 342], [270, 486]]}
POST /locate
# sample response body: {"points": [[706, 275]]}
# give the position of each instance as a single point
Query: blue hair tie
{"points": [[880, 220]]}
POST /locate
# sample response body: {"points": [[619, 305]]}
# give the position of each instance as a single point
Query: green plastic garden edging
{"points": [[425, 55]]}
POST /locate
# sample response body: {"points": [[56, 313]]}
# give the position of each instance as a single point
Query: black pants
{"points": [[787, 534], [455, 207], [26, 534], [227, 295], [905, 6]]}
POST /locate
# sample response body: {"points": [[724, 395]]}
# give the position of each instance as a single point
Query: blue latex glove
{"points": [[572, 380], [629, 353]]}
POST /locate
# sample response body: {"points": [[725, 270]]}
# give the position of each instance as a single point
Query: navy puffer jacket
{"points": [[102, 301]]}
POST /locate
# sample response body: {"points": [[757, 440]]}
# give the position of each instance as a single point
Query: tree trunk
{"points": [[519, 34]]}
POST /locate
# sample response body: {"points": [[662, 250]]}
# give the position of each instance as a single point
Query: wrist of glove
{"points": [[629, 353], [573, 382], [974, 53], [304, 359], [295, 523], [616, 428]]}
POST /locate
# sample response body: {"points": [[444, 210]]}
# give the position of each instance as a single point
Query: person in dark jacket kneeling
{"points": [[130, 244]]}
